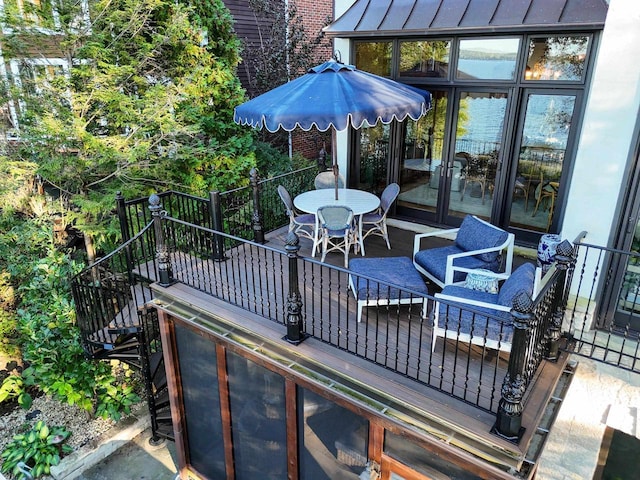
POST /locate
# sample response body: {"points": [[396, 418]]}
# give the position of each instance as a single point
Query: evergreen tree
{"points": [[146, 103]]}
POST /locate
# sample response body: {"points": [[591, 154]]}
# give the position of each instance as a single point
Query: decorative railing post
{"points": [[295, 333], [563, 258], [165, 275], [122, 217], [256, 221], [217, 224], [124, 231], [509, 417]]}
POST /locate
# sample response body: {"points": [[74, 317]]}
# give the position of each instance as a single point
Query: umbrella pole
{"points": [[334, 160]]}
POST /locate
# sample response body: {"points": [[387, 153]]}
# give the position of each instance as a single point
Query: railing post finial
{"points": [[295, 331], [509, 417], [165, 275], [564, 259], [256, 221]]}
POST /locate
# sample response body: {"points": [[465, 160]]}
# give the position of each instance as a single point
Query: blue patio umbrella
{"points": [[333, 95]]}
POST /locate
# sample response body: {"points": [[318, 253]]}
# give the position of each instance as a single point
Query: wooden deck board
{"points": [[329, 312], [445, 416]]}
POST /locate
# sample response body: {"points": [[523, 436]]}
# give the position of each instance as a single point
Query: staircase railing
{"points": [[108, 293]]}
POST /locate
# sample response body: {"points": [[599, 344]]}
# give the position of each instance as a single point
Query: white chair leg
{"points": [[324, 248], [360, 240]]}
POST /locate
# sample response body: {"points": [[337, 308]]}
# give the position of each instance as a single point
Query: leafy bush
{"points": [[48, 335], [13, 387], [39, 449]]}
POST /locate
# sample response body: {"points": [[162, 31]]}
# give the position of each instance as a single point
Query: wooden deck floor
{"points": [[390, 350]]}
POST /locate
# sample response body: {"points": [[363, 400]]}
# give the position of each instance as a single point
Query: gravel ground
{"points": [[53, 413], [84, 430]]}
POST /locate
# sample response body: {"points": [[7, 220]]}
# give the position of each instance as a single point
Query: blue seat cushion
{"points": [[309, 218], [398, 271], [458, 317], [521, 280], [474, 234], [434, 261]]}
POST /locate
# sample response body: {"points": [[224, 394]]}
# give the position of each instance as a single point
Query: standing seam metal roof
{"points": [[394, 17]]}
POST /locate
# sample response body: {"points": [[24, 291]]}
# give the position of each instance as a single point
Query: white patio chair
{"points": [[303, 224], [375, 223], [337, 230]]}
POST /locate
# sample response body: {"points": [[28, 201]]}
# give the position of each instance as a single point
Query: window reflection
{"points": [[425, 59], [491, 59], [420, 168], [334, 439], [424, 461], [374, 155], [545, 135], [374, 57], [257, 404], [556, 58]]}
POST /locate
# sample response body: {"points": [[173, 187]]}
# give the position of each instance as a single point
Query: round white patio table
{"points": [[358, 201]]}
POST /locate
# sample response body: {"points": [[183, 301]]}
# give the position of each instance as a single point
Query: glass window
{"points": [[425, 59], [479, 131], [199, 382], [258, 423], [544, 141], [556, 58], [374, 57], [421, 460], [490, 59], [374, 154], [420, 168], [333, 439]]}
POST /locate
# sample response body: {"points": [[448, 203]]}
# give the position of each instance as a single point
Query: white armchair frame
{"points": [[504, 346], [508, 245]]}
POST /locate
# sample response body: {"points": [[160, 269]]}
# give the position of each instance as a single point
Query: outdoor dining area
{"points": [[336, 298]]}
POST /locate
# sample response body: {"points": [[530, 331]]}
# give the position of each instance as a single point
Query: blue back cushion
{"points": [[434, 261], [520, 280], [475, 234]]}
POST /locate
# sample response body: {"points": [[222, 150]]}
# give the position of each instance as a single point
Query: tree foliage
{"points": [[284, 50], [146, 102]]}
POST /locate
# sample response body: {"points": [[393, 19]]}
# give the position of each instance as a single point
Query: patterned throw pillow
{"points": [[479, 280]]}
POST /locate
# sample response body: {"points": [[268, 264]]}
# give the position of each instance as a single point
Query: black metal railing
{"points": [[603, 314], [310, 298], [318, 302], [250, 212], [245, 212], [108, 293]]}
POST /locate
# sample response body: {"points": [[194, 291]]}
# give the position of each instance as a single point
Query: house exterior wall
{"points": [[609, 134], [609, 127]]}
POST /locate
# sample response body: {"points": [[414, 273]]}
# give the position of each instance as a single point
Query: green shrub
{"points": [[39, 449], [13, 387], [46, 328]]}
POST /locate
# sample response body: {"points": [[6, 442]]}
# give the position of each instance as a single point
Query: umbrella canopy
{"points": [[333, 95]]}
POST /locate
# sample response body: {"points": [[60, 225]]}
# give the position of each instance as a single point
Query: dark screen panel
{"points": [[258, 420], [199, 377], [333, 440]]}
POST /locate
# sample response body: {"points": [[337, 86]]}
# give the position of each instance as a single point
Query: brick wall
{"points": [[314, 14]]}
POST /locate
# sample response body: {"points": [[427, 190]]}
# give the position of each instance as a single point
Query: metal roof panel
{"points": [[397, 17], [479, 13], [422, 14]]}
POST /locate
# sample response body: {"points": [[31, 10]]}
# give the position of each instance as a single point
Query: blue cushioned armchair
{"points": [[459, 310], [477, 244]]}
